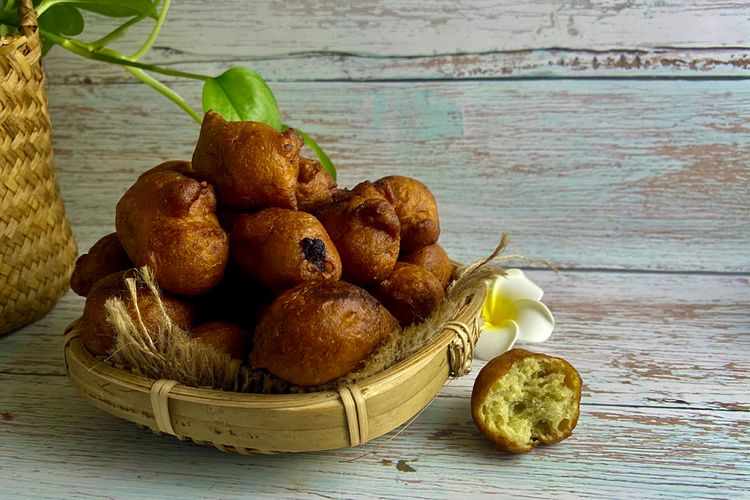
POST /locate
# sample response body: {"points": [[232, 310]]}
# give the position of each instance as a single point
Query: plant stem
{"points": [[154, 33], [163, 89], [42, 7], [133, 67], [112, 57], [117, 32]]}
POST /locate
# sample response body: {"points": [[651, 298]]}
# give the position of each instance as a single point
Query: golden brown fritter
{"points": [[368, 190], [168, 222], [105, 257], [416, 209], [319, 331], [183, 167], [251, 164], [366, 232], [224, 336], [522, 399], [434, 259], [283, 248], [410, 293], [96, 332], [315, 186]]}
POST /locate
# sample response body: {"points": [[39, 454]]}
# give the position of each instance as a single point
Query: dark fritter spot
{"points": [[315, 252]]}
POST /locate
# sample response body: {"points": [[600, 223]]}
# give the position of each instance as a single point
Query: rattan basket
{"points": [[37, 250], [259, 423]]}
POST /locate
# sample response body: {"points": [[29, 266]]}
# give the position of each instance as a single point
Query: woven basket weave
{"points": [[37, 250], [245, 423]]}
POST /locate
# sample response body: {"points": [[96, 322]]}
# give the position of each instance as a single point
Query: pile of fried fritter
{"points": [[259, 255]]}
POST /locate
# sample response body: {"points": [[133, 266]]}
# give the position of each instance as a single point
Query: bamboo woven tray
{"points": [[258, 423]]}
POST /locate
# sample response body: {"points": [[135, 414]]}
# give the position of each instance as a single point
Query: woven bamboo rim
{"points": [[37, 250], [259, 423]]}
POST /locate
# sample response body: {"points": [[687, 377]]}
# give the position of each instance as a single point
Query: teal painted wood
{"points": [[647, 178], [55, 445], [599, 174]]}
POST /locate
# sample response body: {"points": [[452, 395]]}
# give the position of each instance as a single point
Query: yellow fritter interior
{"points": [[531, 402]]}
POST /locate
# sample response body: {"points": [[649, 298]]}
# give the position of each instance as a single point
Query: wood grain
{"points": [[394, 39], [201, 30], [66, 68], [636, 187], [56, 442], [606, 174]]}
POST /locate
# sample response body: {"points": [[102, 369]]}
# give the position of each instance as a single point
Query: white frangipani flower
{"points": [[512, 311]]}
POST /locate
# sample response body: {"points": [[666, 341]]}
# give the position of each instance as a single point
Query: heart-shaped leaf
{"points": [[117, 8], [240, 94], [111, 8], [63, 19]]}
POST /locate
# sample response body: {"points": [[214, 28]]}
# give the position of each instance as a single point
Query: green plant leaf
{"points": [[117, 8], [323, 158], [63, 19], [240, 94], [110, 8]]}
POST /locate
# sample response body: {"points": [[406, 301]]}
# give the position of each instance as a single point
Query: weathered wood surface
{"points": [[399, 27], [636, 188], [309, 40], [606, 174], [639, 339], [555, 63], [56, 445]]}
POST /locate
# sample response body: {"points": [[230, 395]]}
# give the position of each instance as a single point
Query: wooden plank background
{"points": [[654, 168], [610, 138], [397, 39]]}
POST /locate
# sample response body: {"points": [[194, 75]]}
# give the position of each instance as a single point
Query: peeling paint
{"points": [[403, 466]]}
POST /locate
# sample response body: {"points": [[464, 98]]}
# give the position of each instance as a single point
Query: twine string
{"points": [[461, 348]]}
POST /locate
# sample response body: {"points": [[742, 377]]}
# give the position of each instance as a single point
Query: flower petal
{"points": [[499, 306], [495, 341], [517, 286], [535, 321]]}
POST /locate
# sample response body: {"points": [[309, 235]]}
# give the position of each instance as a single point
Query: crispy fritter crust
{"points": [[183, 167], [416, 209], [251, 164], [284, 248], [410, 293], [434, 259], [366, 231], [319, 331], [168, 222], [105, 257], [315, 186]]}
